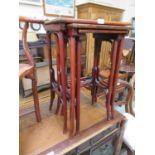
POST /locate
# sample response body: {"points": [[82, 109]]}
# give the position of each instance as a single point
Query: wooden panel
{"points": [[95, 11]]}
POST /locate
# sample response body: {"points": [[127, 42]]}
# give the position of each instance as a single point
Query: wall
{"points": [[37, 11]]}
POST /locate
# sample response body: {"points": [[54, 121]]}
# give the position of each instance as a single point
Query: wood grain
{"points": [[37, 137]]}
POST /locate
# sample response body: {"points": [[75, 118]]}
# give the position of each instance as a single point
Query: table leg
{"points": [[78, 73], [61, 46], [95, 70], [117, 66], [110, 82], [58, 75], [51, 70], [72, 74]]}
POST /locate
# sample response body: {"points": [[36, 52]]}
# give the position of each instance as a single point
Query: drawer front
{"points": [[104, 148], [98, 145], [102, 135]]}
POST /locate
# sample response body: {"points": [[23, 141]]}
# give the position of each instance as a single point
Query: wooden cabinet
{"points": [[95, 11]]}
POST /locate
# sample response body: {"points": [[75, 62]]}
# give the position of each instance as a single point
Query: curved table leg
{"points": [[61, 46], [110, 83], [95, 70], [58, 74], [118, 61], [51, 70]]}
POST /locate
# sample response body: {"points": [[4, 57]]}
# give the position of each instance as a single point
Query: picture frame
{"points": [[64, 8]]}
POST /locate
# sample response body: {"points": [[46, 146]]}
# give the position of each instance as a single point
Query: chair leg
{"points": [[36, 100], [128, 100], [129, 151]]}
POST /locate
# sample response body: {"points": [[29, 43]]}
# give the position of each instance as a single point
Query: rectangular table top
{"points": [[98, 26], [86, 21], [90, 25]]}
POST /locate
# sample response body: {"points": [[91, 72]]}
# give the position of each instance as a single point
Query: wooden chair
{"points": [[129, 134], [29, 70]]}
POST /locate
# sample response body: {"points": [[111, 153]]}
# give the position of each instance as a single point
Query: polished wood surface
{"points": [[29, 70], [83, 21], [99, 27], [36, 138], [70, 28]]}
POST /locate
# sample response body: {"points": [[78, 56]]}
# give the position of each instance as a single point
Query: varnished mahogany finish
{"points": [[29, 70], [84, 21], [74, 29]]}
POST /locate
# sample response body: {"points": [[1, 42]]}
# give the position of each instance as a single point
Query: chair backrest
{"points": [[26, 21], [129, 50], [131, 103]]}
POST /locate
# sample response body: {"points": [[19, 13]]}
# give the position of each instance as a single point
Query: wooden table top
{"points": [[98, 26], [85, 21], [87, 26]]}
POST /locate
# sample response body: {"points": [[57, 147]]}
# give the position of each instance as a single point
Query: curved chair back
{"points": [[24, 36]]}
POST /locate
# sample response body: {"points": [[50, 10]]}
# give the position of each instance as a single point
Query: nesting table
{"points": [[72, 31]]}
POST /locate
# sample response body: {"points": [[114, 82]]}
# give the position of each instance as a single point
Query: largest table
{"points": [[73, 30]]}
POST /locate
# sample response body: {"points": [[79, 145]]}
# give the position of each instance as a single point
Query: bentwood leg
{"points": [[61, 46], [36, 98], [97, 67], [78, 73], [58, 75], [95, 70], [118, 61], [51, 70], [72, 74], [110, 82]]}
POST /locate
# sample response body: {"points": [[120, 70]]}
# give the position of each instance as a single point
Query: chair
{"points": [[129, 133], [29, 70]]}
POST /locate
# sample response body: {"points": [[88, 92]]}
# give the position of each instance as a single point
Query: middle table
{"points": [[73, 30]]}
